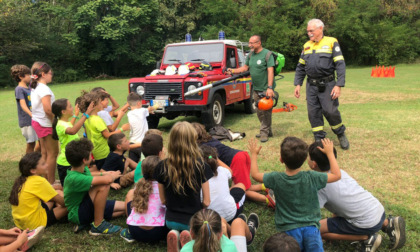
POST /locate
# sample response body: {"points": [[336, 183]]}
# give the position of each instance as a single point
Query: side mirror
{"points": [[158, 64]]}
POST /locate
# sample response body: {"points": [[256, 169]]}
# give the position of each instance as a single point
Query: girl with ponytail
{"points": [[29, 190], [42, 97], [65, 132], [145, 211], [210, 233]]}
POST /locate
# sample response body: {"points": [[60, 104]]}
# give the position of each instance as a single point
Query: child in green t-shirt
{"points": [[297, 208], [85, 193], [96, 129], [65, 132]]}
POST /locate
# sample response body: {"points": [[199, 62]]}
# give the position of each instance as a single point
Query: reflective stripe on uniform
{"points": [[338, 58], [307, 52], [302, 61], [317, 128], [337, 126], [323, 51]]}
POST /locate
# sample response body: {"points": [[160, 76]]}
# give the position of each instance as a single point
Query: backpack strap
{"points": [[267, 56]]}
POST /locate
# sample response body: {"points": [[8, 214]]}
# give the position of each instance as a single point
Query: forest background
{"points": [[124, 38]]}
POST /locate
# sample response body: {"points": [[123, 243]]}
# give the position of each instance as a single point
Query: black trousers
{"points": [[321, 104]]}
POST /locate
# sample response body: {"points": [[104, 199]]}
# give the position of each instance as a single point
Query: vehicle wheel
{"points": [[215, 113], [249, 104], [153, 121]]}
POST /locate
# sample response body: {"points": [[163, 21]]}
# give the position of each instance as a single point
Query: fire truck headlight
{"points": [[191, 88], [140, 90]]}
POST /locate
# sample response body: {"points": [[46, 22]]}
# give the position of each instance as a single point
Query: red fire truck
{"points": [[166, 86]]}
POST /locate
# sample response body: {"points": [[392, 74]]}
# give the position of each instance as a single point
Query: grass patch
{"points": [[381, 116]]}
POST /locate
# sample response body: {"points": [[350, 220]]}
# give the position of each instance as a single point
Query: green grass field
{"points": [[382, 117]]}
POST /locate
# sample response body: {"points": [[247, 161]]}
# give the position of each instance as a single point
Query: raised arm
{"points": [[335, 173], [255, 150]]}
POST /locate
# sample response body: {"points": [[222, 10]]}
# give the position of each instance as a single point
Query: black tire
{"points": [[153, 121], [249, 104], [215, 113]]}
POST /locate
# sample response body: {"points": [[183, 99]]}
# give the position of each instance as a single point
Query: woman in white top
{"points": [[42, 97]]}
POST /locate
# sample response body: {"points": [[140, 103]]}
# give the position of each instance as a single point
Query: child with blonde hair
{"points": [[145, 211], [181, 176], [211, 233]]}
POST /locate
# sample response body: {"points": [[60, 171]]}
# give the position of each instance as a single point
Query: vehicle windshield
{"points": [[195, 53]]}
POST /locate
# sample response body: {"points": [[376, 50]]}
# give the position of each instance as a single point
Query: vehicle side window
{"points": [[230, 58]]}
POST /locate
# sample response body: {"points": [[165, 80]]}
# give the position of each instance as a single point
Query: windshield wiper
{"points": [[197, 59], [174, 60]]}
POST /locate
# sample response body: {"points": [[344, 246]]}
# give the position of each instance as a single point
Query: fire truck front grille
{"points": [[173, 90]]}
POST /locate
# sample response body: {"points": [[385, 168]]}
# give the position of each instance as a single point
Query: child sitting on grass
{"points": [[211, 233], [65, 132], [22, 75], [239, 163], [181, 176], [16, 240], [33, 198], [116, 161], [145, 211], [228, 202], [152, 146], [281, 242], [137, 118], [96, 129], [297, 208], [85, 193], [358, 215]]}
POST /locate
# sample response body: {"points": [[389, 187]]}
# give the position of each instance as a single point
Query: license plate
{"points": [[161, 103]]}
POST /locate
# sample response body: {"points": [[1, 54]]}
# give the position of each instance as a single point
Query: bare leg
{"points": [[326, 235], [385, 224], [38, 147], [254, 196], [60, 212], [30, 147], [128, 198], [51, 149], [6, 240], [119, 209], [225, 228], [255, 188], [240, 228], [98, 194]]}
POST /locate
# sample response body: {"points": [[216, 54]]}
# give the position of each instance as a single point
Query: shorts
{"points": [[308, 238], [86, 210], [29, 133], [50, 214], [153, 235], [241, 168], [62, 172], [239, 196], [99, 163], [339, 225], [177, 226], [135, 154], [41, 131]]}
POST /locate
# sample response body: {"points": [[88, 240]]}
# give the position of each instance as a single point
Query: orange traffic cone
{"points": [[386, 72], [392, 72], [382, 71], [373, 72]]}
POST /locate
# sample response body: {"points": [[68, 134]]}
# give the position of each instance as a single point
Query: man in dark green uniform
{"points": [[262, 76], [322, 57]]}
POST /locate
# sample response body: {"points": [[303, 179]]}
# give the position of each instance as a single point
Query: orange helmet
{"points": [[265, 103]]}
